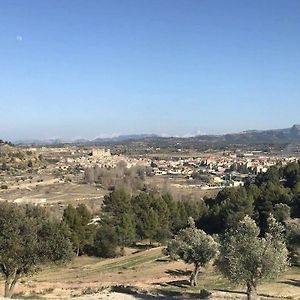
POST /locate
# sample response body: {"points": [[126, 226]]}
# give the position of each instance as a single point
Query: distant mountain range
{"points": [[116, 139], [250, 137], [273, 136]]}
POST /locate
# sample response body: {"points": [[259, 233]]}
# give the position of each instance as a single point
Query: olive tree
{"points": [[29, 239], [193, 246], [292, 230], [246, 258]]}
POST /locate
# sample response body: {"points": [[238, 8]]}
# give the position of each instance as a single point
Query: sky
{"points": [[99, 68]]}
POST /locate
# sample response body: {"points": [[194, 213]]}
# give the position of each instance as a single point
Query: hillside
{"points": [[17, 159], [141, 274]]}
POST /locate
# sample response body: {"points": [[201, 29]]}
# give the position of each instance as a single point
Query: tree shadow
{"points": [[183, 284], [178, 272], [162, 260], [293, 282], [156, 294], [129, 290], [177, 295], [231, 291], [33, 296]]}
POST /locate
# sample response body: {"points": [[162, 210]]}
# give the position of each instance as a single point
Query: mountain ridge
{"points": [[270, 136]]}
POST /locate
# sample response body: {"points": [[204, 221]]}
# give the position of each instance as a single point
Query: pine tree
{"points": [[118, 213]]}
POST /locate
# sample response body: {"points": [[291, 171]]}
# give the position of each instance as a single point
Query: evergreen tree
{"points": [[82, 233], [296, 206], [161, 209], [146, 218], [270, 195], [118, 213], [106, 241], [181, 217], [291, 174], [273, 175], [229, 207]]}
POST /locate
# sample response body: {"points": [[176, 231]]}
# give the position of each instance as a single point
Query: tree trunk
{"points": [[122, 250], [194, 276], [6, 290], [10, 286], [251, 292], [77, 252]]}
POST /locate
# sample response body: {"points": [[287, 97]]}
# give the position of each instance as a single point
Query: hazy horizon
{"points": [[115, 135], [87, 69]]}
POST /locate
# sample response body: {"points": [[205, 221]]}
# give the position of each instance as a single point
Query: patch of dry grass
{"points": [[148, 271]]}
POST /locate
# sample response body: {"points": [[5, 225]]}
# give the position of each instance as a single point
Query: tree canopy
{"points": [[29, 239], [193, 246], [82, 232], [246, 258]]}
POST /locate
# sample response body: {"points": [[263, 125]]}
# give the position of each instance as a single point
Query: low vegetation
{"points": [[16, 161]]}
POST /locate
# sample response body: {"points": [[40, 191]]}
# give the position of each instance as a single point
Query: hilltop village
{"points": [[212, 170]]}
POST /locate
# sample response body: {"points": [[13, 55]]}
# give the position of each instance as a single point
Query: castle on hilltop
{"points": [[96, 152]]}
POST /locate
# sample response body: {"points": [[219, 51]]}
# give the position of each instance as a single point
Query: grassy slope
{"points": [[147, 270]]}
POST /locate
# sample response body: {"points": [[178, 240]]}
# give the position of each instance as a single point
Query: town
{"points": [[215, 169]]}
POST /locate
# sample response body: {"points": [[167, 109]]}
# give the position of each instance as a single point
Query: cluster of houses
{"points": [[220, 169], [212, 170]]}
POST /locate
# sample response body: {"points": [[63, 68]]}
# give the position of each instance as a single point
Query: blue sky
{"points": [[98, 68]]}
